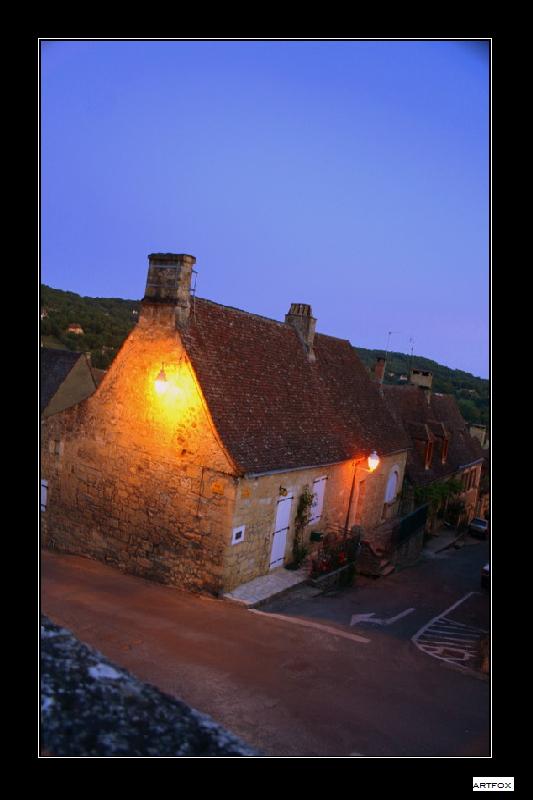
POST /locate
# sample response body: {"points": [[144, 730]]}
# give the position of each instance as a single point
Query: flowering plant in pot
{"points": [[336, 550]]}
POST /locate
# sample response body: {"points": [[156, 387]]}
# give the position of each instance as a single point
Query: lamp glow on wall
{"points": [[373, 461], [161, 383]]}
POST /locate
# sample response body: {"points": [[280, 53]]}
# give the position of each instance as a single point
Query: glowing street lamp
{"points": [[373, 461], [161, 383]]}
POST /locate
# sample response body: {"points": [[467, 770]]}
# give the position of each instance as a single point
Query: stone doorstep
{"points": [[267, 587]]}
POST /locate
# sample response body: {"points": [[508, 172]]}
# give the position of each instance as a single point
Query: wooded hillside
{"points": [[472, 393], [106, 321]]}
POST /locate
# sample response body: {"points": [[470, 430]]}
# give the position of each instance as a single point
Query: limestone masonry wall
{"points": [[137, 479], [141, 480], [256, 506]]}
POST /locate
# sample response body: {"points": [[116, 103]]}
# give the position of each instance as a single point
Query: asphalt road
{"points": [[286, 689]]}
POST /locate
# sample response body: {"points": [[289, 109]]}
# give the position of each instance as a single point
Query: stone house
{"points": [[75, 328], [66, 378], [442, 446], [187, 463]]}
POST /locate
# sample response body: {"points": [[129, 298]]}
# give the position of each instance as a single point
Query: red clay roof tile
{"points": [[273, 408]]}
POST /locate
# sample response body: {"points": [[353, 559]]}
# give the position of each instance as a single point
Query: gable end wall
{"points": [[137, 480]]}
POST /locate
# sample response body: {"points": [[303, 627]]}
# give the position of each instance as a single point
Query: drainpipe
{"points": [[351, 498]]}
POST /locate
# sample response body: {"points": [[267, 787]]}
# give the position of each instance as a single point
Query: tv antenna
{"points": [[412, 343], [387, 353]]}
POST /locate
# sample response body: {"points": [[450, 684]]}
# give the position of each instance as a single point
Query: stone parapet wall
{"points": [[93, 708], [407, 553]]}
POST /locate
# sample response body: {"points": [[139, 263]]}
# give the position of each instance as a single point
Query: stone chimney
{"points": [[422, 378], [300, 318], [379, 369], [479, 432], [168, 288]]}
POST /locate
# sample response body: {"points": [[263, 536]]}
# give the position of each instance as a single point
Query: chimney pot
{"points": [[379, 369], [422, 378]]}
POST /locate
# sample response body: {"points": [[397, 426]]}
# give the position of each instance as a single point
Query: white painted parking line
{"points": [[308, 624], [449, 640]]}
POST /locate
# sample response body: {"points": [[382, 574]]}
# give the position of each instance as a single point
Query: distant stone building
{"points": [[442, 447], [75, 328], [187, 464]]}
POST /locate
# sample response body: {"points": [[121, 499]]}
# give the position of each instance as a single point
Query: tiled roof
{"points": [[273, 408], [54, 368], [437, 429], [410, 407], [419, 431]]}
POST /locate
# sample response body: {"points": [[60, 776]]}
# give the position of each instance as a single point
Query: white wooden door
{"points": [[319, 487], [281, 526]]}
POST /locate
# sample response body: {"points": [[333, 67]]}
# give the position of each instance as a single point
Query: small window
{"points": [[44, 495], [238, 535], [444, 450], [392, 485]]}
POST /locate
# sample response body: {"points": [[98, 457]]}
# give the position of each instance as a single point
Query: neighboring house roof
{"points": [[273, 408], [55, 367], [98, 375], [441, 419]]}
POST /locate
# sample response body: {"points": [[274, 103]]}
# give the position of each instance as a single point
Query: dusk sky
{"points": [[351, 175]]}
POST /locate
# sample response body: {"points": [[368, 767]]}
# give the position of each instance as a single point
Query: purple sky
{"points": [[349, 175]]}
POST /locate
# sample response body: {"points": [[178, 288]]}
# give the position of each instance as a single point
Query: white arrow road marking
{"points": [[370, 618]]}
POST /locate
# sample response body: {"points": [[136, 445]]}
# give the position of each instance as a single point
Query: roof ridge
{"points": [[240, 310], [282, 323]]}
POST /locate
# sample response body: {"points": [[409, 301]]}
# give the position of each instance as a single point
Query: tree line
{"points": [[106, 321]]}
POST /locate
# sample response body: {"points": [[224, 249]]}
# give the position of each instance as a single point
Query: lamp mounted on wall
{"points": [[373, 461], [161, 383]]}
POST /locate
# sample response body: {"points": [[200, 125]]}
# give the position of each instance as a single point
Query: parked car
{"points": [[485, 577], [479, 527]]}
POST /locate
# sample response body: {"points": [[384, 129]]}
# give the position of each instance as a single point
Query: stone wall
{"points": [[141, 480], [137, 479], [256, 506]]}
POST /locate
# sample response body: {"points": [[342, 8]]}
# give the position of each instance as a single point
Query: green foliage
{"points": [[303, 515], [437, 493], [455, 511], [105, 321], [472, 393]]}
